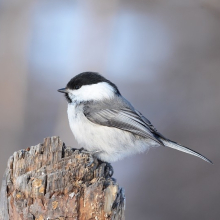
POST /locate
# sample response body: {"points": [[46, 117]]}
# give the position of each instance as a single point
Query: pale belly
{"points": [[113, 143]]}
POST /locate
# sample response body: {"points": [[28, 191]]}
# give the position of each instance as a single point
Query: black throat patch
{"points": [[68, 98]]}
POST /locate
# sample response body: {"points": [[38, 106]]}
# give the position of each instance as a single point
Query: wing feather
{"points": [[125, 119]]}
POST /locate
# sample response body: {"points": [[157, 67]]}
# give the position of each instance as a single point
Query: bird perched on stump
{"points": [[106, 124]]}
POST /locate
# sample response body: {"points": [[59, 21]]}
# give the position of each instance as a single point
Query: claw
{"points": [[109, 169]]}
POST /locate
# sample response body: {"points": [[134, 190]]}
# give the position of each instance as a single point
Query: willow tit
{"points": [[103, 121]]}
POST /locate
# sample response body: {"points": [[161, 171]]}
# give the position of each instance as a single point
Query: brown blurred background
{"points": [[164, 55]]}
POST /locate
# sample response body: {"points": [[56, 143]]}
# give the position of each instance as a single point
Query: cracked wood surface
{"points": [[52, 181]]}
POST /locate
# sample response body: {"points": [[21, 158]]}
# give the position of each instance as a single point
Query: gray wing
{"points": [[123, 118]]}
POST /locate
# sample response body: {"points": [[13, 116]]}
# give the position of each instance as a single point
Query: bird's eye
{"points": [[77, 87]]}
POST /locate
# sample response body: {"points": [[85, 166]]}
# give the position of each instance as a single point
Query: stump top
{"points": [[52, 181]]}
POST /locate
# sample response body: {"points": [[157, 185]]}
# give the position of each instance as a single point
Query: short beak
{"points": [[64, 90]]}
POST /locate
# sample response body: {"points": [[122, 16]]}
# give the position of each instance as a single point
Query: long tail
{"points": [[176, 146]]}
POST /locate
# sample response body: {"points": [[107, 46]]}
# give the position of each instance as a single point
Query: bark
{"points": [[52, 181]]}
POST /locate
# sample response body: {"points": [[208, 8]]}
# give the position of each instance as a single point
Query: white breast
{"points": [[113, 143]]}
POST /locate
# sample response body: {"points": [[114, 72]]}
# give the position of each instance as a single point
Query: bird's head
{"points": [[89, 86]]}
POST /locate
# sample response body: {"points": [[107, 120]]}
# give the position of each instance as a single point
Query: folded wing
{"points": [[125, 119]]}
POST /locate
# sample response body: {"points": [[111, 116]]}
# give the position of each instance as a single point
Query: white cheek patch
{"points": [[97, 92]]}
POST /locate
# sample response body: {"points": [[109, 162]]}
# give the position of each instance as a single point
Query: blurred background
{"points": [[164, 55]]}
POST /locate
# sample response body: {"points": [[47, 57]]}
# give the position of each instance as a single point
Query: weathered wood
{"points": [[52, 181]]}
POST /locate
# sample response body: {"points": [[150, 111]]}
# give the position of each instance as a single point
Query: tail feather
{"points": [[176, 146]]}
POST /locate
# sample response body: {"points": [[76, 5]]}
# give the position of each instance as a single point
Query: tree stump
{"points": [[52, 181]]}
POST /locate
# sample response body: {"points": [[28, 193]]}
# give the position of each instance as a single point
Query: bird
{"points": [[106, 124]]}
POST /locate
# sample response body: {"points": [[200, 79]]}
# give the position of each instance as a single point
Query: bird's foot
{"points": [[109, 171], [82, 150], [91, 154]]}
